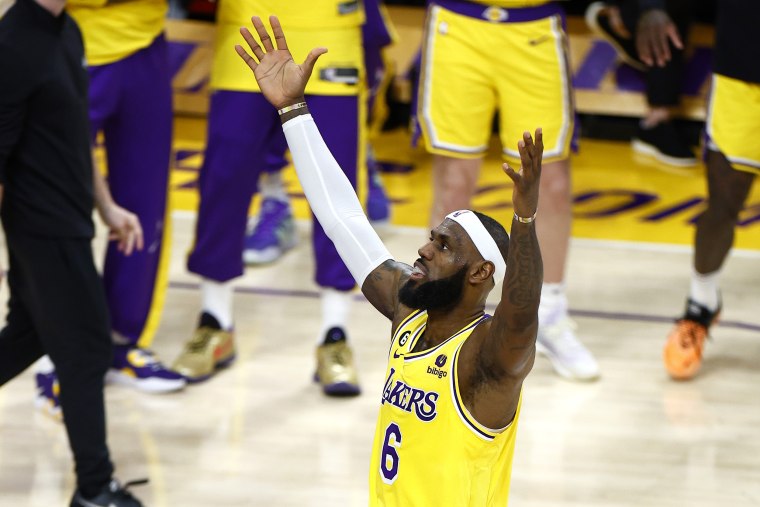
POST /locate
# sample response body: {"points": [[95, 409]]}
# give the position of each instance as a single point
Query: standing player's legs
{"points": [[542, 97], [64, 308], [236, 151], [340, 120], [728, 190], [138, 136], [553, 230], [733, 161], [530, 86], [456, 131]]}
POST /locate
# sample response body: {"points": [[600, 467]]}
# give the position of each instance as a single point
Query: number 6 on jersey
{"points": [[389, 457]]}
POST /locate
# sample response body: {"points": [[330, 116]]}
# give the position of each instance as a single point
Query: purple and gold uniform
{"points": [[131, 104], [244, 131], [429, 449]]}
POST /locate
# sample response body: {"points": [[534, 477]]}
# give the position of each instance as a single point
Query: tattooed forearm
{"points": [[383, 271], [512, 338], [522, 285]]}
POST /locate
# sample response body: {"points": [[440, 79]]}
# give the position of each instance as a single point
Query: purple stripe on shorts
{"points": [[499, 14]]}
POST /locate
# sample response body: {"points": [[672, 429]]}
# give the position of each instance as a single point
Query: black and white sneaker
{"points": [[664, 143], [113, 494], [598, 20]]}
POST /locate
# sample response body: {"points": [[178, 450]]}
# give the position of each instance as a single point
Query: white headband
{"points": [[482, 239]]}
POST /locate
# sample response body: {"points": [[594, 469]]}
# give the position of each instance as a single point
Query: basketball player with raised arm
{"points": [[449, 409]]}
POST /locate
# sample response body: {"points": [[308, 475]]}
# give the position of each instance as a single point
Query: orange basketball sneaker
{"points": [[683, 350]]}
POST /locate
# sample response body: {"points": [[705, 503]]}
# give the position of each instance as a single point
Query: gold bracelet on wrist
{"points": [[524, 220], [292, 107]]}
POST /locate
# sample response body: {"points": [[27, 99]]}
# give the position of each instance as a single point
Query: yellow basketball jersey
{"points": [[511, 3], [334, 24], [428, 449], [114, 31]]}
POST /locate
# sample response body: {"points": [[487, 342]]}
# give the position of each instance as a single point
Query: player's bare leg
{"points": [[728, 190], [454, 184], [556, 333]]}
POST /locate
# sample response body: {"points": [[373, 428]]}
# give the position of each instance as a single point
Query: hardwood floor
{"points": [[261, 433]]}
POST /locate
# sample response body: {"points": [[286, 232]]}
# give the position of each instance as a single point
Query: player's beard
{"points": [[434, 295]]}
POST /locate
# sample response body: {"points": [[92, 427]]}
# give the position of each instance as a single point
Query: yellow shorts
{"points": [[339, 72], [471, 68], [733, 121]]}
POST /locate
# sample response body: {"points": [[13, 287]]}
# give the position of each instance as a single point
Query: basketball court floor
{"points": [[262, 434]]}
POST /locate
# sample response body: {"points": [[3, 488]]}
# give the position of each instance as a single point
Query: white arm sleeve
{"points": [[333, 199]]}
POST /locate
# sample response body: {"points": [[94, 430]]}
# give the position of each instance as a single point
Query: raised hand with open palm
{"points": [[281, 80]]}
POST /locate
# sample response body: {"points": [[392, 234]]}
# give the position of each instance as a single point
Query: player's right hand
{"points": [[281, 80], [654, 34]]}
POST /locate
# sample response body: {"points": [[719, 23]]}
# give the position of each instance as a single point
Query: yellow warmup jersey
{"points": [[114, 31], [334, 24], [428, 449]]}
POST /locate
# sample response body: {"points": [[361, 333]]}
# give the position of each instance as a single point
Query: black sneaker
{"points": [[113, 494], [598, 21], [664, 143], [700, 314]]}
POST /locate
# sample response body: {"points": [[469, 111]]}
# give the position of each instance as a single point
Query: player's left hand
{"points": [[124, 228], [528, 179], [281, 80]]}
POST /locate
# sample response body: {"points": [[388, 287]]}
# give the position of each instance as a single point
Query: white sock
{"points": [[271, 186], [44, 365], [553, 307], [335, 307], [704, 289], [217, 300]]}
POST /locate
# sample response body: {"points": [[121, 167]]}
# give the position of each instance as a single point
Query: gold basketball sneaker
{"points": [[335, 365], [210, 348]]}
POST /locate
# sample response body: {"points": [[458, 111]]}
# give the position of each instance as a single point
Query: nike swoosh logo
{"points": [[396, 355], [536, 42]]}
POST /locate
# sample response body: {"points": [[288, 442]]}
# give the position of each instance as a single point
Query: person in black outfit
{"points": [[48, 187], [617, 21]]}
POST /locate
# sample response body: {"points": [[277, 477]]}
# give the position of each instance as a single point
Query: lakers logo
{"points": [[495, 14], [410, 399]]}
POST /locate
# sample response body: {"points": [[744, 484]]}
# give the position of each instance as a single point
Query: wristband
{"points": [[292, 107], [523, 220]]}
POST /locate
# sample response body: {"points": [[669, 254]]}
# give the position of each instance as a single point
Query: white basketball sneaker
{"points": [[569, 357]]}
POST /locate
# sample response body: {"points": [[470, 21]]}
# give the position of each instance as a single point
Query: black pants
{"points": [[663, 83], [58, 307]]}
